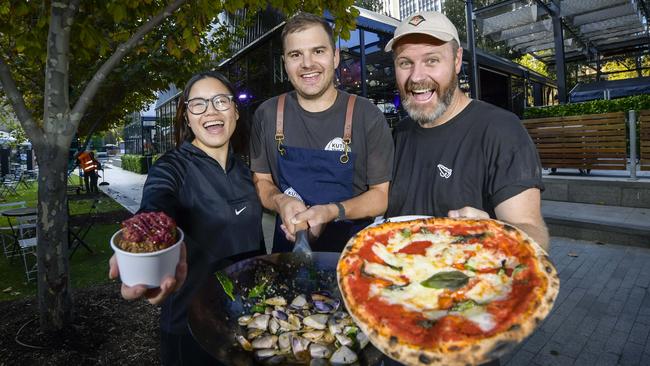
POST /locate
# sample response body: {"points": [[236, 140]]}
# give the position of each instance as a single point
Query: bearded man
{"points": [[455, 156]]}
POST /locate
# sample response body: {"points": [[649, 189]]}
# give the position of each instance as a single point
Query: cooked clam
{"points": [[299, 302], [343, 356], [245, 344], [344, 341], [244, 320], [324, 302], [260, 322], [300, 348], [316, 321], [284, 341], [314, 336], [319, 351], [363, 340], [254, 333], [264, 353], [274, 326], [306, 331], [269, 341], [276, 301], [280, 315]]}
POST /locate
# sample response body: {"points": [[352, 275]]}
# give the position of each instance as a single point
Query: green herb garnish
{"points": [[226, 284], [406, 233], [465, 305], [469, 268], [519, 268], [258, 308], [501, 271], [257, 291], [424, 230], [450, 279], [352, 331]]}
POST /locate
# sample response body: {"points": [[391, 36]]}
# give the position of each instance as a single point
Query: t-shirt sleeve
{"points": [[160, 192], [515, 165], [259, 158], [381, 149]]}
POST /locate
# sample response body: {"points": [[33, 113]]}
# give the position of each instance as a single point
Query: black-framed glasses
{"points": [[220, 102]]}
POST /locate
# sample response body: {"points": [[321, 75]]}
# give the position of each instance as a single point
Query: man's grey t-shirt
{"points": [[371, 138]]}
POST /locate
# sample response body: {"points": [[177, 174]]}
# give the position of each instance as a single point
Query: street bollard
{"points": [[631, 122]]}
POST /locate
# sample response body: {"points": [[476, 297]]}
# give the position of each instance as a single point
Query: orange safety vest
{"points": [[86, 162]]}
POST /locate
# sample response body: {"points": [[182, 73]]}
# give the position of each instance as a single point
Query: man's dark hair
{"points": [[304, 20]]}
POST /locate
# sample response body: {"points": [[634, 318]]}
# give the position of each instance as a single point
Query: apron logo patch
{"points": [[335, 145], [292, 193], [444, 171]]}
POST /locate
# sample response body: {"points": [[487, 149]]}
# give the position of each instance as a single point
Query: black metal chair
{"points": [[78, 229]]}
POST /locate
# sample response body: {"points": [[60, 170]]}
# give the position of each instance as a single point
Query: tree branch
{"points": [[26, 119], [90, 90]]}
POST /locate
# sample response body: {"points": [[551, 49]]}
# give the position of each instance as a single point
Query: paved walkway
{"points": [[602, 314]]}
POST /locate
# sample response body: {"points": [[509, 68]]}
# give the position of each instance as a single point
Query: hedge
{"points": [[134, 163], [637, 103]]}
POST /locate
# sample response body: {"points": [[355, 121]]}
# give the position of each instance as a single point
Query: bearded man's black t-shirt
{"points": [[479, 158]]}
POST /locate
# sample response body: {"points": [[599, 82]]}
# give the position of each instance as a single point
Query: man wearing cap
{"points": [[455, 156]]}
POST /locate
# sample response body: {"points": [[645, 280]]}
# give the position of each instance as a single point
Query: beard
{"points": [[444, 97]]}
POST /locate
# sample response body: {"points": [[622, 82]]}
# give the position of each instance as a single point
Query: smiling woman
{"points": [[209, 192]]}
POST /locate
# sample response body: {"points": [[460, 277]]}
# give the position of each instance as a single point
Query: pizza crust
{"points": [[451, 353]]}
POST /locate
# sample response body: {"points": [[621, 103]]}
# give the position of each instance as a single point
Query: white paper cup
{"points": [[147, 269]]}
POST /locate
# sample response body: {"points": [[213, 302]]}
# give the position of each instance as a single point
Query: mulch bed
{"points": [[107, 330]]}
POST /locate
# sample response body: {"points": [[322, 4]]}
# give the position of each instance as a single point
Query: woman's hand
{"points": [[156, 295]]}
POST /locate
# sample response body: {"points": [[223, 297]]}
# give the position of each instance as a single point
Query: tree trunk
{"points": [[54, 291]]}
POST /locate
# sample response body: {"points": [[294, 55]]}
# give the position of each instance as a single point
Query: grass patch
{"points": [[86, 269]]}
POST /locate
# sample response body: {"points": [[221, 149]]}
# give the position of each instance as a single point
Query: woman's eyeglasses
{"points": [[220, 102]]}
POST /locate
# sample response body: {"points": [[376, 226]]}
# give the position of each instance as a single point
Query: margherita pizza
{"points": [[444, 291]]}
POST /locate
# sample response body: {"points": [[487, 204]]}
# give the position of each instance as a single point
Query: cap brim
{"points": [[438, 35]]}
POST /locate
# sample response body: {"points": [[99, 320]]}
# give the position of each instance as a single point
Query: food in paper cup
{"points": [[147, 248]]}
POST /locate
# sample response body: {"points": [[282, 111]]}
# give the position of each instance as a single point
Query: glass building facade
{"points": [[257, 73]]}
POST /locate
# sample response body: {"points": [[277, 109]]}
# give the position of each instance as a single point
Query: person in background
{"points": [[210, 193], [89, 165], [319, 155]]}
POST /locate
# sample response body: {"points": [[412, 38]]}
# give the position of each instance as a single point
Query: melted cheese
{"points": [[441, 256]]}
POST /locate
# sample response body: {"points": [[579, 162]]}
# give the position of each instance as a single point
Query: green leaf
{"points": [[519, 268], [257, 291], [470, 268], [226, 284], [465, 305], [406, 233], [450, 279], [258, 308]]}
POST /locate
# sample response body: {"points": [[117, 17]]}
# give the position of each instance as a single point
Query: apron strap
{"points": [[279, 124], [347, 130]]}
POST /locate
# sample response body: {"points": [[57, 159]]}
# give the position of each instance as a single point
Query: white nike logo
{"points": [[237, 212]]}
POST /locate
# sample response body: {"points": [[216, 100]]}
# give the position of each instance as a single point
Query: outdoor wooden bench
{"points": [[644, 138], [596, 141]]}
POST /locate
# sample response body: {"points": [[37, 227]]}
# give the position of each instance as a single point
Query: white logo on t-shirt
{"points": [[292, 193], [444, 171], [336, 145]]}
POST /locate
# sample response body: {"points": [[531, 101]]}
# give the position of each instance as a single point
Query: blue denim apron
{"points": [[317, 177]]}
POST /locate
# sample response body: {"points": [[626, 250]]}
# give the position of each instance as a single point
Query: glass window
{"points": [[349, 72], [380, 76]]}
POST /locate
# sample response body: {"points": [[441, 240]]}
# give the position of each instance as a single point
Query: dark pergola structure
{"points": [[561, 31]]}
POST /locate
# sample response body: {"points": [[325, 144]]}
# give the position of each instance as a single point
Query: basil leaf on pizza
{"points": [[444, 291], [451, 280]]}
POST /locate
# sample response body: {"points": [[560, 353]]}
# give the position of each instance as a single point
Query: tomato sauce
{"points": [[416, 247]]}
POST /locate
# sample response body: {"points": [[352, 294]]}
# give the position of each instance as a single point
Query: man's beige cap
{"points": [[431, 23]]}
